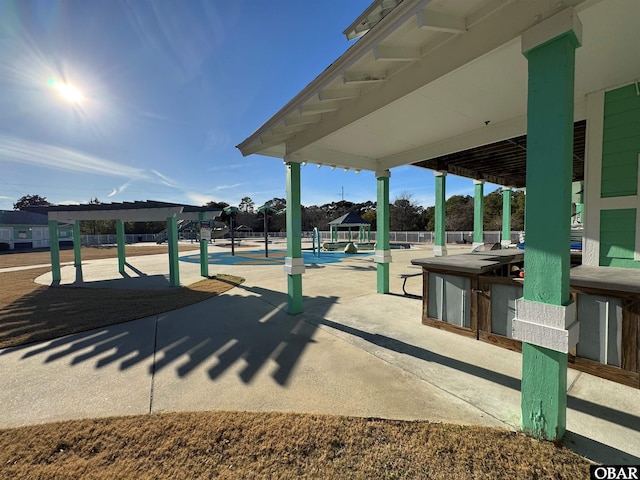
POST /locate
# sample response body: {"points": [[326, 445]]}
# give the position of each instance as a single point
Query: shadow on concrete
{"points": [[590, 408], [223, 331], [597, 451]]}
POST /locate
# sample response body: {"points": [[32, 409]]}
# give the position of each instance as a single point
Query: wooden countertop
{"points": [[606, 278], [475, 262], [602, 278]]}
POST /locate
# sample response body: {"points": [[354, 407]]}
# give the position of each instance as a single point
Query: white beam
{"points": [[396, 54], [274, 139], [302, 120], [332, 158], [592, 178], [323, 107], [441, 22], [362, 77], [505, 25], [280, 129], [341, 94]]}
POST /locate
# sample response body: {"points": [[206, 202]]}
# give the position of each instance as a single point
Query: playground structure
{"points": [[219, 230], [349, 220]]}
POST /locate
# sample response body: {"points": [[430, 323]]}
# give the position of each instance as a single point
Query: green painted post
{"points": [[478, 213], [506, 216], [383, 253], [204, 251], [172, 242], [120, 239], [547, 261], [54, 250], [294, 265], [440, 246], [77, 247]]}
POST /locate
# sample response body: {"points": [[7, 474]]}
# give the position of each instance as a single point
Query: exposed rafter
{"points": [[497, 29], [302, 120], [322, 107], [370, 18], [338, 94], [396, 54], [441, 22], [362, 77]]}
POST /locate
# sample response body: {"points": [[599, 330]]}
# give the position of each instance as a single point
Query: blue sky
{"points": [[169, 88]]}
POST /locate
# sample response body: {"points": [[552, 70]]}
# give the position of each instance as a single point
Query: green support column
{"points": [[478, 213], [506, 216], [440, 246], [544, 316], [120, 239], [54, 249], [294, 265], [204, 251], [172, 242], [382, 256], [77, 255]]}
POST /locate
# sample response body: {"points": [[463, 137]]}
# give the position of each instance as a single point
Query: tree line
{"points": [[404, 214]]}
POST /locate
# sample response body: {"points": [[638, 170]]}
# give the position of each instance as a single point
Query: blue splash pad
{"points": [[276, 257]]}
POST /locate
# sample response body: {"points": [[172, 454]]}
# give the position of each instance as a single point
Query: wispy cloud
{"points": [[227, 187], [232, 166], [13, 149], [164, 179], [120, 189], [2, 197]]}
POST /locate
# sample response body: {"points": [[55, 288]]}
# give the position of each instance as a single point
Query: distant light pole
{"points": [[231, 211], [265, 209]]}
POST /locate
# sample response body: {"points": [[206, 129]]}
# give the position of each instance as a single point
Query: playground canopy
{"points": [[349, 220], [138, 211]]}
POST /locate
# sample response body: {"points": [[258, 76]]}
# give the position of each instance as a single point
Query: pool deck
{"points": [[352, 352]]}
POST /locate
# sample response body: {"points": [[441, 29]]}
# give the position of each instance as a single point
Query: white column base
{"points": [[293, 266], [439, 251], [382, 256], [549, 326], [505, 243], [477, 244]]}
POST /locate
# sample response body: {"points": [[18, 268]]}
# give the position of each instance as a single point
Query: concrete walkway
{"points": [[352, 352]]}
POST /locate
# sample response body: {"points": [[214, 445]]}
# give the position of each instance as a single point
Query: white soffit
{"points": [[492, 89], [609, 55]]}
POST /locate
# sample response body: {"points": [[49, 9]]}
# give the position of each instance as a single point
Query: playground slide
{"points": [[219, 230]]}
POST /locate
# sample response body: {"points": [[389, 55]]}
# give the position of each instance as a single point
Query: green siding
{"points": [[620, 143], [618, 238]]}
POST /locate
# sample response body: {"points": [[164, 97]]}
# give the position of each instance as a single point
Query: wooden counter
{"points": [[474, 295]]}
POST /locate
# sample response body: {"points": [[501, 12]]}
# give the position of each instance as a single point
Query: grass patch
{"points": [[231, 445], [30, 312]]}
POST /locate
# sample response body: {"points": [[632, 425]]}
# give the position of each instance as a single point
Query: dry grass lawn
{"points": [[40, 257], [30, 312], [239, 445]]}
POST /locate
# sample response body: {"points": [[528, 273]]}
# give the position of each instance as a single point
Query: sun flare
{"points": [[69, 92]]}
